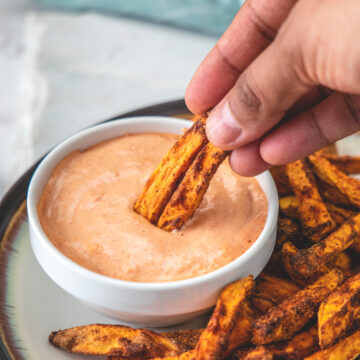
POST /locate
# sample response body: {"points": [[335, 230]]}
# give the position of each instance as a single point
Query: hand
{"points": [[284, 81]]}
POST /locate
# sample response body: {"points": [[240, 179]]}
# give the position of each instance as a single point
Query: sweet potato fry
{"points": [[166, 177], [339, 214], [343, 261], [285, 320], [281, 180], [258, 353], [347, 349], [287, 230], [288, 205], [241, 332], [345, 163], [279, 289], [332, 195], [192, 188], [301, 345], [339, 312], [215, 338], [329, 173], [288, 252], [262, 302], [107, 340], [306, 262], [313, 214]]}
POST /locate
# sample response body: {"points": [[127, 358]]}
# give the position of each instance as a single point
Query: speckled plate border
{"points": [[13, 216]]}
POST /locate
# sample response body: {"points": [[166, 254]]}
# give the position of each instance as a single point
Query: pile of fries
{"points": [[306, 302]]}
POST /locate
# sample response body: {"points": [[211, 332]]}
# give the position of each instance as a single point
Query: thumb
{"points": [[263, 93]]}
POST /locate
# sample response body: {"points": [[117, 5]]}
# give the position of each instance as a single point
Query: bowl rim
{"points": [[34, 223]]}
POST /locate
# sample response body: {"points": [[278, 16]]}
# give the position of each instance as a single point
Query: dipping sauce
{"points": [[86, 210]]}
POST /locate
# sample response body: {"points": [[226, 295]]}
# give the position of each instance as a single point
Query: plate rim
{"points": [[11, 207]]}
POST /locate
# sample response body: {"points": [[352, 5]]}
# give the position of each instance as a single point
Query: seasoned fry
{"points": [[192, 188], [164, 180], [281, 180], [107, 340], [343, 261], [329, 173], [259, 353], [285, 320], [288, 205], [277, 288], [339, 214], [306, 262], [262, 302], [339, 312], [345, 163], [313, 214], [332, 195], [288, 230], [300, 346], [241, 332], [230, 304], [347, 349]]}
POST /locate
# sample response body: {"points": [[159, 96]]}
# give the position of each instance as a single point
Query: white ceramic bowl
{"points": [[150, 304]]}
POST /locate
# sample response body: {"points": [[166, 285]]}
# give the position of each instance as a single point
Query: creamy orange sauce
{"points": [[86, 210]]}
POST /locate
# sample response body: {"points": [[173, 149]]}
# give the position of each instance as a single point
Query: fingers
{"points": [[260, 98], [247, 161], [334, 118], [251, 31]]}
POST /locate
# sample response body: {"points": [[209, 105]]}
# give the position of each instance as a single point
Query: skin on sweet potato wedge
{"points": [[282, 322], [347, 349], [107, 340], [313, 213], [339, 312], [188, 195], [329, 173], [166, 177], [306, 262]]}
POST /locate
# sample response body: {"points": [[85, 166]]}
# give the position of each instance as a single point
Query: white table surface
{"points": [[61, 72]]}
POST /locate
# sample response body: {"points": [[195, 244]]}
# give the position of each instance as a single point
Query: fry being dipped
{"points": [[164, 180], [187, 197]]}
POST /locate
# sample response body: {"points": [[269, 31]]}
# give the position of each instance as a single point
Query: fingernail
{"points": [[221, 126]]}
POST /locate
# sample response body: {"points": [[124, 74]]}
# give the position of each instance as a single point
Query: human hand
{"points": [[284, 81]]}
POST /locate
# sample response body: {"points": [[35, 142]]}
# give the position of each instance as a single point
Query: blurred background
{"points": [[67, 64]]}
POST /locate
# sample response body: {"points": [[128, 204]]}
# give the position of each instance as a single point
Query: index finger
{"points": [[252, 30]]}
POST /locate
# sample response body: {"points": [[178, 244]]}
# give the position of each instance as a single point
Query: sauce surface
{"points": [[86, 210]]}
